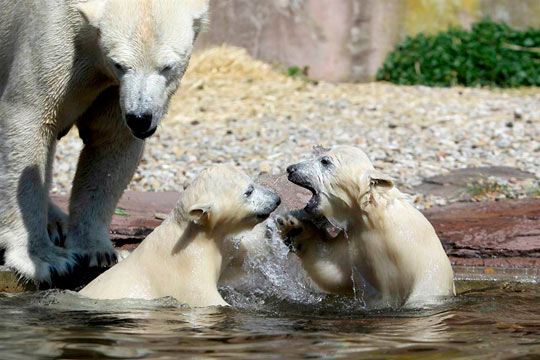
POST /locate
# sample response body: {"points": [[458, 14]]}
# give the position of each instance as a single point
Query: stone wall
{"points": [[346, 40]]}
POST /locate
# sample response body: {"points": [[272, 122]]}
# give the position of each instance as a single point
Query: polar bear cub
{"points": [[388, 250], [185, 256]]}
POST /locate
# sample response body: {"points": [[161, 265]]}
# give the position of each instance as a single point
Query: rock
{"points": [[292, 196], [502, 233], [453, 185], [503, 143], [128, 231], [496, 233], [265, 167]]}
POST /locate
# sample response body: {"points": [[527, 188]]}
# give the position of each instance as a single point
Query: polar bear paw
{"points": [[104, 257], [294, 231], [41, 266], [93, 249]]}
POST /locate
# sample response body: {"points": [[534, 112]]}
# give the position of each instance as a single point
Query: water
{"points": [[276, 313], [500, 321]]}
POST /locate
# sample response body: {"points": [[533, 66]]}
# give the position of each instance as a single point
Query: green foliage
{"points": [[299, 73], [121, 212], [492, 54]]}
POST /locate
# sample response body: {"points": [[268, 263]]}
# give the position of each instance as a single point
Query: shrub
{"points": [[491, 54]]}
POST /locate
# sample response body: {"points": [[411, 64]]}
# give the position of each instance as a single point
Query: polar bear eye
{"points": [[249, 191], [119, 67], [325, 161], [166, 69]]}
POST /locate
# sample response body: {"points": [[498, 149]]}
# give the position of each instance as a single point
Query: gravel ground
{"points": [[234, 109]]}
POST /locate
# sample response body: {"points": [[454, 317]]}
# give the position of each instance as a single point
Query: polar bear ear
{"points": [[198, 213], [92, 10], [380, 180]]}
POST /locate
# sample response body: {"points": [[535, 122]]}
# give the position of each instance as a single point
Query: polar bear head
{"points": [[341, 180], [225, 200], [146, 46]]}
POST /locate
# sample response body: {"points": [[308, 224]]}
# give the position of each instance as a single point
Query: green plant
{"points": [[491, 54], [121, 212], [298, 72]]}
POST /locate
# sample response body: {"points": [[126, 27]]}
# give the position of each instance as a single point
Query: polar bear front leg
{"points": [[106, 165], [24, 163]]}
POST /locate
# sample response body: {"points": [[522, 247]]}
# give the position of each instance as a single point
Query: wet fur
{"points": [[387, 249], [186, 256]]}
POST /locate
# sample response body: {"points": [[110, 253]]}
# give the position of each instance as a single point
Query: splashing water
{"points": [[271, 273], [274, 278]]}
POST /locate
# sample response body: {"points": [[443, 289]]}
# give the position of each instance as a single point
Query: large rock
{"points": [[497, 233], [138, 213], [453, 186], [502, 233]]}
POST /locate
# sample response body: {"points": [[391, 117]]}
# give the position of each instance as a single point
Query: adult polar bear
{"points": [[109, 67]]}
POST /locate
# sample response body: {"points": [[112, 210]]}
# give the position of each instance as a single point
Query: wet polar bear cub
{"points": [[387, 248], [185, 256], [108, 67]]}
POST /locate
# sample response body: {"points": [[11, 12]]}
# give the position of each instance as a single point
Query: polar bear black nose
{"points": [[139, 124], [292, 169]]}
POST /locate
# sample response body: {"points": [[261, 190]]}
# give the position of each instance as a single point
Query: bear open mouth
{"points": [[313, 203]]}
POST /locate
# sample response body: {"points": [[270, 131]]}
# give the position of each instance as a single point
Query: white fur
{"points": [[57, 70], [186, 255], [387, 247]]}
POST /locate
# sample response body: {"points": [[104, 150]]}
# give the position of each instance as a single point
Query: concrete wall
{"points": [[435, 15], [346, 40]]}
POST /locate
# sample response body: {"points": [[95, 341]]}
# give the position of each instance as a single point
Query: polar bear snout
{"points": [[299, 174], [304, 174], [292, 169], [273, 202], [141, 125], [144, 99], [266, 201]]}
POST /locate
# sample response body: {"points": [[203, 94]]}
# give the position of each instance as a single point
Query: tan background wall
{"points": [[346, 40]]}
